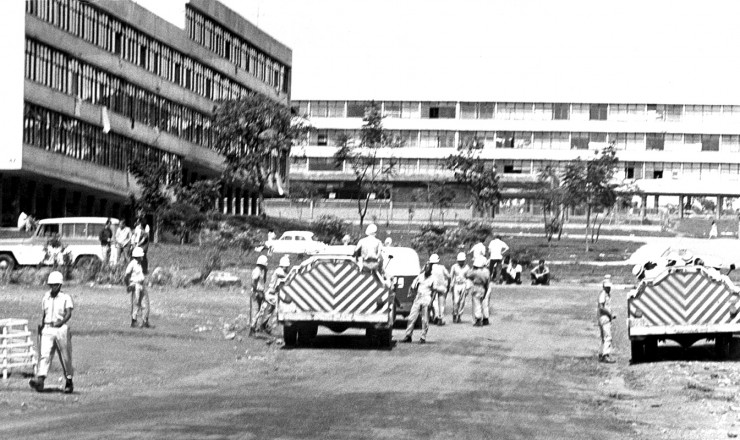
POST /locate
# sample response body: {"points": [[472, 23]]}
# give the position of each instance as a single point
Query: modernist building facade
{"points": [[108, 82], [671, 150]]}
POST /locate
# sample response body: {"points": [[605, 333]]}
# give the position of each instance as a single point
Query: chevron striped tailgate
{"points": [[336, 287], [686, 298]]}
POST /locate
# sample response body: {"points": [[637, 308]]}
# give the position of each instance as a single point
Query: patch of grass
{"points": [[698, 226]]}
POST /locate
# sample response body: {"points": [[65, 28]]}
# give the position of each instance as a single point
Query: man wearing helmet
{"points": [[134, 278], [479, 278], [605, 316], [370, 250], [425, 285], [442, 280], [263, 319], [56, 309], [459, 286], [259, 282]]}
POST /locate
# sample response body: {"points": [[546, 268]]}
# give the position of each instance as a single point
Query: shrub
{"points": [[330, 229], [431, 238]]}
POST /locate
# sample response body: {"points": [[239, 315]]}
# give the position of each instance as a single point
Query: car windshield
{"points": [[47, 230], [405, 261]]}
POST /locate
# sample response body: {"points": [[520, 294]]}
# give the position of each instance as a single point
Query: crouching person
{"points": [[56, 309], [264, 318], [540, 275], [134, 278]]}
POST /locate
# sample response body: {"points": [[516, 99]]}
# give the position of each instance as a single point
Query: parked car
{"points": [[78, 235], [295, 242], [401, 269]]}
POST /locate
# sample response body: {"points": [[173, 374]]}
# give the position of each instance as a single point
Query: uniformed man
{"points": [[55, 335], [496, 251], [259, 283], [370, 250], [424, 286], [442, 277], [134, 278], [605, 316], [459, 286], [479, 278], [264, 317]]}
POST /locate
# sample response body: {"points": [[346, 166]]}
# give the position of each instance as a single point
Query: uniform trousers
{"points": [[420, 306], [459, 292], [56, 339], [477, 293], [139, 301], [605, 327]]}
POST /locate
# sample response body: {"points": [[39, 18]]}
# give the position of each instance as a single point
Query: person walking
{"points": [[442, 279], [123, 243], [605, 316], [105, 237], [713, 233], [459, 286], [56, 309], [141, 233], [370, 251], [259, 283], [264, 317], [423, 286], [134, 278], [479, 278], [496, 251], [478, 250]]}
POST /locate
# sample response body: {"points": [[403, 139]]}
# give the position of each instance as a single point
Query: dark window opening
{"points": [[655, 141], [561, 111], [505, 139], [323, 164], [709, 142], [658, 174], [597, 112], [579, 141], [323, 140], [433, 112], [356, 109], [629, 173]]}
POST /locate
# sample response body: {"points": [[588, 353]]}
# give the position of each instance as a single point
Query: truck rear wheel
{"points": [[290, 336], [638, 351], [651, 349], [722, 346], [385, 337], [306, 333]]}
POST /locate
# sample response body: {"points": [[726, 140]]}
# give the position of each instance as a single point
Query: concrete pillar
{"points": [[680, 206], [656, 205], [720, 203], [62, 195], [249, 205], [643, 208], [233, 201], [241, 205], [48, 205], [225, 205]]}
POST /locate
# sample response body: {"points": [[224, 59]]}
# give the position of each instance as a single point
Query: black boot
{"points": [[68, 386], [478, 323], [485, 321], [37, 383], [133, 323]]}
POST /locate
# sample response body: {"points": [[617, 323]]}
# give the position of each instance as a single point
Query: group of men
{"points": [[119, 247]]}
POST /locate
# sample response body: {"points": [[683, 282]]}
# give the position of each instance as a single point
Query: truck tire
{"points": [[7, 263], [306, 333], [638, 351], [651, 349], [290, 336], [385, 337], [722, 346]]}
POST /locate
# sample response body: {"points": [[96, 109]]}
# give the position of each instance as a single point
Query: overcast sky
{"points": [[521, 50]]}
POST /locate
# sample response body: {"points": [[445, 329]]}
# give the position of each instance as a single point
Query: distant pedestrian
{"points": [[713, 233], [134, 278], [497, 249], [105, 237], [605, 316], [56, 309], [540, 275], [141, 239], [123, 243], [259, 284], [271, 236], [459, 285], [346, 240], [479, 278], [22, 221], [423, 287]]}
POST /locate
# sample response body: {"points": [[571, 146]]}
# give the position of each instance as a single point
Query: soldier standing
{"points": [[424, 287], [263, 319], [442, 286], [479, 278], [605, 316], [459, 287], [134, 277], [259, 281], [370, 249], [55, 335]]}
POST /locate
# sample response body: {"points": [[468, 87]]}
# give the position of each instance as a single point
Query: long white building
{"points": [[672, 149]]}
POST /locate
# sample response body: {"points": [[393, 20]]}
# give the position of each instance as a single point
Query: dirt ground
{"points": [[531, 374]]}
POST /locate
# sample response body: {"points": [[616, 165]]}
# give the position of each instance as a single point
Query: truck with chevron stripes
{"points": [[332, 291], [684, 304]]}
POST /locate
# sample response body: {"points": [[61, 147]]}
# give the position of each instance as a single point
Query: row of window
{"points": [[541, 140], [68, 75], [61, 134], [237, 50], [96, 27], [523, 111], [632, 170]]}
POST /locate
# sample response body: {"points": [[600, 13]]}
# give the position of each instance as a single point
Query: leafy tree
{"points": [[306, 191], [591, 184], [371, 172], [201, 194], [155, 179], [440, 196], [182, 219], [553, 200], [477, 175], [255, 135]]}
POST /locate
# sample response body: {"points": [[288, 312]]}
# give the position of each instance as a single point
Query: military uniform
{"points": [[604, 317], [139, 294], [424, 287], [459, 289], [267, 308], [479, 278], [442, 280]]}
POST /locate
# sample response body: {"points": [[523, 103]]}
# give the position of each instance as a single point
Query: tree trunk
{"points": [[261, 200], [588, 223]]}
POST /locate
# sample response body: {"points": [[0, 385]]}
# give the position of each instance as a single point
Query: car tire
{"points": [[7, 263], [290, 336]]}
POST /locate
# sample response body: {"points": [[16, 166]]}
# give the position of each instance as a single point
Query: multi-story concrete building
{"points": [[668, 149], [108, 82]]}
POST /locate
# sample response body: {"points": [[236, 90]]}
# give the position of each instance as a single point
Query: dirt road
{"points": [[531, 374]]}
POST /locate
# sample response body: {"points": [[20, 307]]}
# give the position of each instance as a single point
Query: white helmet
{"points": [[480, 261], [461, 256], [434, 258], [262, 260], [371, 229], [284, 262], [55, 277], [607, 281], [137, 252], [388, 242], [638, 269]]}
